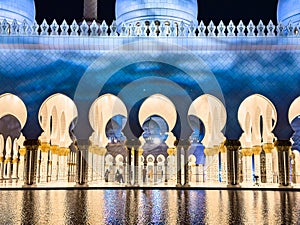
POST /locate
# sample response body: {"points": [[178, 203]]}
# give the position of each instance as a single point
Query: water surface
{"points": [[149, 207]]}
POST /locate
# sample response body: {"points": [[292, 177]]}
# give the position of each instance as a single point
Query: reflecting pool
{"points": [[149, 207]]}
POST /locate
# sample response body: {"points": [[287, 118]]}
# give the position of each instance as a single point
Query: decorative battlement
{"points": [[152, 29]]}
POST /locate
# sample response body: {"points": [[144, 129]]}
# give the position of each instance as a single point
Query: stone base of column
{"points": [[233, 185], [178, 185], [85, 185], [283, 186], [29, 185], [186, 185]]}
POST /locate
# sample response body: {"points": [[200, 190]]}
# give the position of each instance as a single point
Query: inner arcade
{"points": [[157, 157]]}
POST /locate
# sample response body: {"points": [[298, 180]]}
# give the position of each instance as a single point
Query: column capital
{"points": [[232, 145], [141, 151], [183, 143], [247, 151], [45, 147], [32, 144], [283, 145], [256, 150], [268, 147], [212, 151], [133, 143], [22, 152], [222, 148], [207, 151], [54, 149], [171, 151]]}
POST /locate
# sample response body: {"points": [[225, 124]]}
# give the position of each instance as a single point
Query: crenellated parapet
{"points": [[149, 28]]}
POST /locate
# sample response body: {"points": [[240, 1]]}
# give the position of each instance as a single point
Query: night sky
{"points": [[215, 10]]}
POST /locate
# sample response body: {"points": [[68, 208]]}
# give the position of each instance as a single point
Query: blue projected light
{"points": [[34, 75]]}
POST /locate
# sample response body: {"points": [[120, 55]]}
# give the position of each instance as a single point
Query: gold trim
{"points": [[45, 147], [54, 149], [223, 148], [63, 151], [141, 151], [256, 150], [7, 160], [171, 151], [22, 151], [268, 147], [247, 151]]}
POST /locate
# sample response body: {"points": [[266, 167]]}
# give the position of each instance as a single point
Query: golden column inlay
{"points": [[212, 151], [247, 151], [256, 150], [22, 152], [268, 148], [171, 151], [141, 151], [208, 151], [223, 148], [45, 147], [54, 149], [7, 160]]}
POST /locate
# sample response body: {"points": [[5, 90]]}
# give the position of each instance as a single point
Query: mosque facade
{"points": [[155, 98]]}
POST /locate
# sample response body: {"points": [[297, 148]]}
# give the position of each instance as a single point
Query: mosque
{"points": [[155, 98]]}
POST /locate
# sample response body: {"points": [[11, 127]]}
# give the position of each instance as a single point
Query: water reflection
{"points": [[149, 207]]}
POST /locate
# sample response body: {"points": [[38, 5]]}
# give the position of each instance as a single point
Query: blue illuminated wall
{"points": [[83, 68]]}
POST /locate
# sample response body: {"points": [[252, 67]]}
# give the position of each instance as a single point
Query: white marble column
{"points": [[63, 165], [43, 167], [268, 148], [212, 164], [256, 151], [247, 166], [22, 152], [223, 163], [54, 156], [91, 151], [95, 167], [7, 162], [15, 160]]}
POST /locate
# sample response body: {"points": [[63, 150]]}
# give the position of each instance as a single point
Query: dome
{"points": [[288, 10], [17, 9], [131, 11]]}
